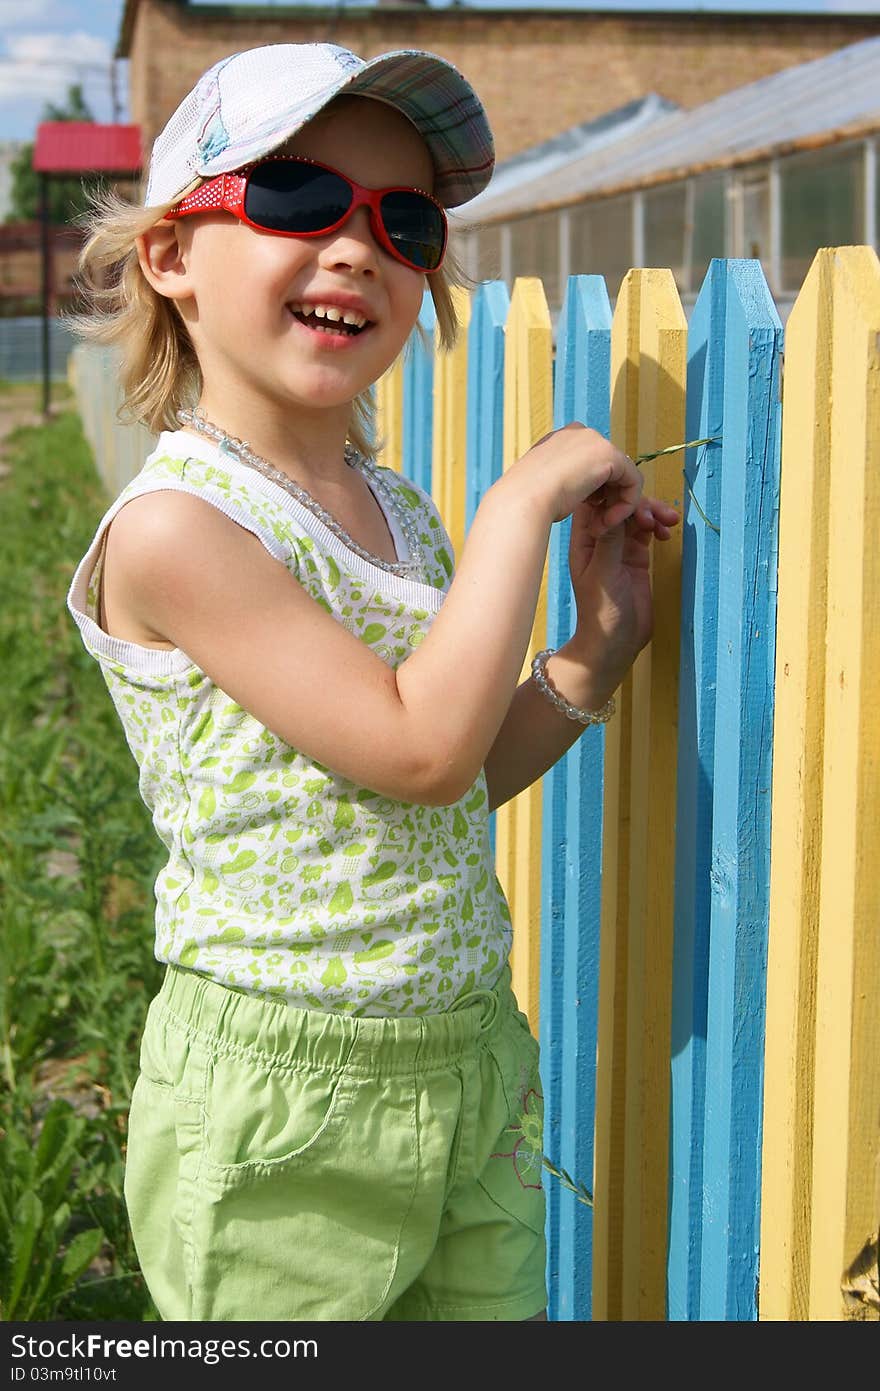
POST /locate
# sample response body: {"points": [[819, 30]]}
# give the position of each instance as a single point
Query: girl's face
{"points": [[248, 288]]}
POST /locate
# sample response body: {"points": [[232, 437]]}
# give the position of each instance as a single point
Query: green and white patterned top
{"points": [[282, 876]]}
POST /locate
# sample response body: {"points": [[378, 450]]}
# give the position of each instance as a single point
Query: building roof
{"points": [[551, 160], [85, 147], [801, 107]]}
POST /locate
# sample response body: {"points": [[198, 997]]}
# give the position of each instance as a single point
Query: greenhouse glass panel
{"points": [[602, 240], [754, 220], [664, 214], [534, 250], [488, 252], [708, 238], [823, 204]]}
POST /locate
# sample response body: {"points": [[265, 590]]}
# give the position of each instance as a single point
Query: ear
{"points": [[162, 256]]}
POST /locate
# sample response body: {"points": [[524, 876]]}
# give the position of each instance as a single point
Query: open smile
{"points": [[330, 320]]}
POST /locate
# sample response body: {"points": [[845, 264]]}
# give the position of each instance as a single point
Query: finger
{"points": [[626, 476], [609, 547], [645, 535], [652, 511], [616, 513]]}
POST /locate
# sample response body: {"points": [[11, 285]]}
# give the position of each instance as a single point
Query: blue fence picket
{"points": [[485, 404], [695, 788], [572, 854], [740, 876], [485, 392], [418, 398]]}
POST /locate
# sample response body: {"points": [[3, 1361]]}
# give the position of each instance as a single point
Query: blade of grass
{"points": [[674, 449]]}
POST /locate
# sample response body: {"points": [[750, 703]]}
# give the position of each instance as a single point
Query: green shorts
{"points": [[289, 1164]]}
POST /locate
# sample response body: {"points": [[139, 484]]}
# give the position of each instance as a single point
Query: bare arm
{"points": [[611, 581], [419, 734], [535, 735]]}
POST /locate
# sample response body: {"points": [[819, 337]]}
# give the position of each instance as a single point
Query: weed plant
{"points": [[78, 858]]}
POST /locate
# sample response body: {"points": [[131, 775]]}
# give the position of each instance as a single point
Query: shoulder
{"points": [[205, 496], [173, 529]]}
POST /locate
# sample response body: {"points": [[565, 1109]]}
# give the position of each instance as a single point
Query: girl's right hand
{"points": [[576, 464]]}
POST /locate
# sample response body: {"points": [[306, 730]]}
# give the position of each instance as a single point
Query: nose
{"points": [[352, 246]]}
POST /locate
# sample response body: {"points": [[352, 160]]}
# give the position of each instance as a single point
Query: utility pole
{"points": [[114, 92], [46, 277]]}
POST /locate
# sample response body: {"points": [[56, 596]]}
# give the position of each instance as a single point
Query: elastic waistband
{"points": [[235, 1020]]}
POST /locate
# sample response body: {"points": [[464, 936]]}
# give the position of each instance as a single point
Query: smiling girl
{"points": [[325, 710]]}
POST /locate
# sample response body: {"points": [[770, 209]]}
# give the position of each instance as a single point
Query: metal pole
{"points": [[46, 279], [114, 91]]}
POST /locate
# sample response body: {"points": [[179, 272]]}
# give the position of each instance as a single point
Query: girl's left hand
{"points": [[612, 588]]}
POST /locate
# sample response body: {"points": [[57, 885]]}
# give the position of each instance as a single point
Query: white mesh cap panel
{"points": [[248, 104]]}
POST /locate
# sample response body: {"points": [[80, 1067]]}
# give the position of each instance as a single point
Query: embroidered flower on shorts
{"points": [[527, 1153]]}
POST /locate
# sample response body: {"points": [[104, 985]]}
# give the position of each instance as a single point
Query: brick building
{"points": [[539, 72]]}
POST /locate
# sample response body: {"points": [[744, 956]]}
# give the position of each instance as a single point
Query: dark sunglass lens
{"points": [[416, 227], [284, 196]]}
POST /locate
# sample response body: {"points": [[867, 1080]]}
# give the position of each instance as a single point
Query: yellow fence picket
{"points": [[648, 373], [389, 417], [797, 803], [449, 457], [528, 414], [845, 1190], [820, 1191]]}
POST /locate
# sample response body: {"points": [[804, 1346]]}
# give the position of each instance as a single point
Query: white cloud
{"points": [[43, 66]]}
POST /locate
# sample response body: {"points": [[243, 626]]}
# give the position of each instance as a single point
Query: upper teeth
{"points": [[333, 313]]}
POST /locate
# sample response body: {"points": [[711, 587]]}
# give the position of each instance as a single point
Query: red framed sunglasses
{"points": [[296, 197]]}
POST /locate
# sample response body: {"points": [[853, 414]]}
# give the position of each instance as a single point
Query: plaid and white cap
{"points": [[248, 104]]}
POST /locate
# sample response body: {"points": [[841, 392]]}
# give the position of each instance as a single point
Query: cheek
{"points": [[245, 272]]}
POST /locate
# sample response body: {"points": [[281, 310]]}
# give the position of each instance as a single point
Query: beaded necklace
{"points": [[240, 449]]}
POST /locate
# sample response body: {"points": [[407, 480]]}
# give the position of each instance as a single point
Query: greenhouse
{"points": [[772, 170]]}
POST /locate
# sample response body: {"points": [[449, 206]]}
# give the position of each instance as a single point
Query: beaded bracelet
{"points": [[542, 681]]}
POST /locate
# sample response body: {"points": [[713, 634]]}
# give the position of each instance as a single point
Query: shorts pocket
{"points": [[261, 1115]]}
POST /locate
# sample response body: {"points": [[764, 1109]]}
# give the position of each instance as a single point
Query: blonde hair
{"points": [[159, 371]]}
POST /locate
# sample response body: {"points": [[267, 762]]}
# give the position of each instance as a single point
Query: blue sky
{"points": [[46, 45]]}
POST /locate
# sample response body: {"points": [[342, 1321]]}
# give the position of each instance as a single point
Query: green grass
{"points": [[77, 862]]}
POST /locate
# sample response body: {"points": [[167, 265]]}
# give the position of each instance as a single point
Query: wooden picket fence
{"points": [[695, 887]]}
